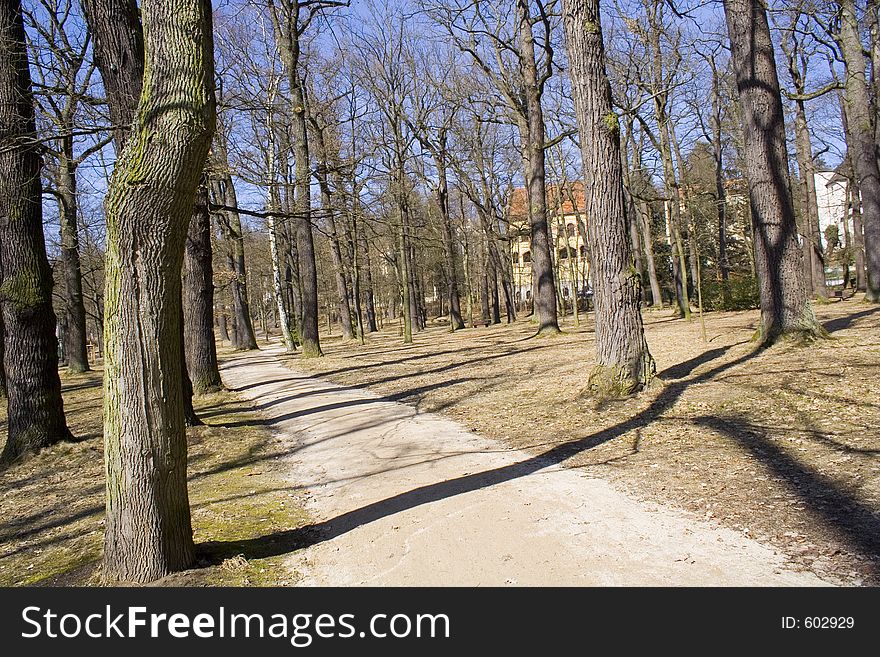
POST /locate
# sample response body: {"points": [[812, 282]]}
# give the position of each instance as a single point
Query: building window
{"points": [[528, 294], [527, 256], [569, 228], [524, 238], [565, 292], [516, 258], [563, 254], [583, 252]]}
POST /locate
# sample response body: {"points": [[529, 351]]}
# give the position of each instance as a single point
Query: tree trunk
{"points": [[287, 32], [415, 290], [858, 240], [814, 262], [455, 320], [532, 135], [118, 50], [224, 194], [785, 305], [198, 301], [369, 296], [35, 407], [645, 223], [2, 351], [190, 418], [623, 362], [493, 296], [273, 204], [342, 283], [862, 147], [720, 192], [75, 343], [277, 287], [148, 209], [223, 326], [670, 179], [405, 278]]}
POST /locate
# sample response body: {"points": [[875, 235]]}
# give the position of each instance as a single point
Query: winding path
{"points": [[410, 498]]}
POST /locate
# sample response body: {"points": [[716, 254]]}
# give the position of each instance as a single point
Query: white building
{"points": [[832, 191]]}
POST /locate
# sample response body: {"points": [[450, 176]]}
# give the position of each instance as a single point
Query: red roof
{"points": [[519, 199]]}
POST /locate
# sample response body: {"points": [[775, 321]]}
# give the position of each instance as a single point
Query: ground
{"points": [[401, 497], [780, 445], [52, 503]]}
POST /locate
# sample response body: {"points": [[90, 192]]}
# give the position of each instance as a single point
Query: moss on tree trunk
{"points": [[30, 348], [148, 208]]}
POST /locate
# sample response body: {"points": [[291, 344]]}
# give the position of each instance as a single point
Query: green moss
{"points": [[591, 27], [53, 562], [619, 381], [548, 332], [611, 122], [23, 289]]}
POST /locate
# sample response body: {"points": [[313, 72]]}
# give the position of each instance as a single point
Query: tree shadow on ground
{"points": [[287, 541], [840, 323], [836, 507]]}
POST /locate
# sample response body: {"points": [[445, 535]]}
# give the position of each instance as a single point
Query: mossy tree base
{"points": [[548, 332], [618, 382]]}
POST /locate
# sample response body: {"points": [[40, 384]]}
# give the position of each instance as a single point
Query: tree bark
{"points": [[198, 301], [148, 209], [118, 50], [340, 274], [287, 31], [785, 304], [862, 147], [814, 261], [30, 355], [2, 351], [452, 295], [532, 135], [75, 338], [720, 192], [660, 92], [623, 363], [224, 194], [643, 220], [369, 296], [406, 293]]}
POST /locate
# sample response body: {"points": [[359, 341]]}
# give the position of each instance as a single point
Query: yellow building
{"points": [[567, 226]]}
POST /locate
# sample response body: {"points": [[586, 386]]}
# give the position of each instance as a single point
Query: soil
{"points": [[52, 503], [781, 445], [485, 462], [407, 498]]}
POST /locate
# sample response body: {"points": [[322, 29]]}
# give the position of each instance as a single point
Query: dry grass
{"points": [[782, 444], [52, 503]]}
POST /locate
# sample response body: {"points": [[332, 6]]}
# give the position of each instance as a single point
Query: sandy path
{"points": [[410, 498]]}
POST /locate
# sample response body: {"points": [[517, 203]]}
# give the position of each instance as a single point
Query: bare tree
{"points": [[291, 19], [623, 363], [63, 93], [785, 305], [862, 146], [30, 354], [503, 45], [148, 209]]}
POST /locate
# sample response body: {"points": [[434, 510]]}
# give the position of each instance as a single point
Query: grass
{"points": [[53, 502]]}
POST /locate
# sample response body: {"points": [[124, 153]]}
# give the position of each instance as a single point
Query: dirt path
{"points": [[410, 498]]}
